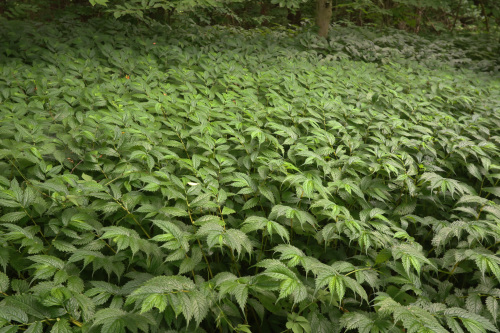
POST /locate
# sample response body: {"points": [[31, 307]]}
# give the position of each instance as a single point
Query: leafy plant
{"points": [[216, 179]]}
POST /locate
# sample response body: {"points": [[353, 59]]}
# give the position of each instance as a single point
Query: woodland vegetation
{"points": [[239, 166]]}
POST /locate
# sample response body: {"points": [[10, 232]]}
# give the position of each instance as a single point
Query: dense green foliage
{"points": [[409, 15], [216, 179]]}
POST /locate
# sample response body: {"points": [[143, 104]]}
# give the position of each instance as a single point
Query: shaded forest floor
{"points": [[256, 179]]}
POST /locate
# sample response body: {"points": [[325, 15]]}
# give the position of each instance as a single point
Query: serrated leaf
{"points": [[4, 282], [63, 246], [251, 203], [36, 327], [492, 306], [493, 190], [12, 217], [9, 203], [266, 192], [11, 313], [61, 326], [227, 211], [174, 211], [383, 256], [473, 303]]}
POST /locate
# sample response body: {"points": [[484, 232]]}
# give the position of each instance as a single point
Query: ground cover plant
{"points": [[218, 180], [410, 15]]}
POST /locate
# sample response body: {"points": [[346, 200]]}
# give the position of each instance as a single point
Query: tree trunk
{"points": [[264, 8], [456, 15], [483, 11], [294, 17], [420, 12], [323, 16], [167, 15]]}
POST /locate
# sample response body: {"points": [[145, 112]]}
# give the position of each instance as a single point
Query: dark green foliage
{"points": [[210, 180], [410, 15]]}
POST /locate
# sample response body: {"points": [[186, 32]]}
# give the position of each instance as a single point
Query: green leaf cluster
{"points": [[211, 180]]}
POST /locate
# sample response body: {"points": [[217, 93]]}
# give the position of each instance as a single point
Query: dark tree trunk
{"points": [[483, 11], [419, 14], [264, 9], [294, 18], [456, 15], [323, 16], [168, 15]]}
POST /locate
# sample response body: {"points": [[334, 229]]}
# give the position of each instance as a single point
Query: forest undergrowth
{"points": [[214, 179]]}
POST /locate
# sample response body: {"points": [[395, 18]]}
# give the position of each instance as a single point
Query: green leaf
{"points": [[383, 256], [9, 329], [492, 306], [493, 190], [471, 321], [98, 2], [266, 192], [251, 203], [227, 211], [9, 203], [36, 327], [11, 313], [173, 211], [61, 326], [48, 260], [110, 318], [4, 282], [12, 217], [154, 301], [63, 246]]}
